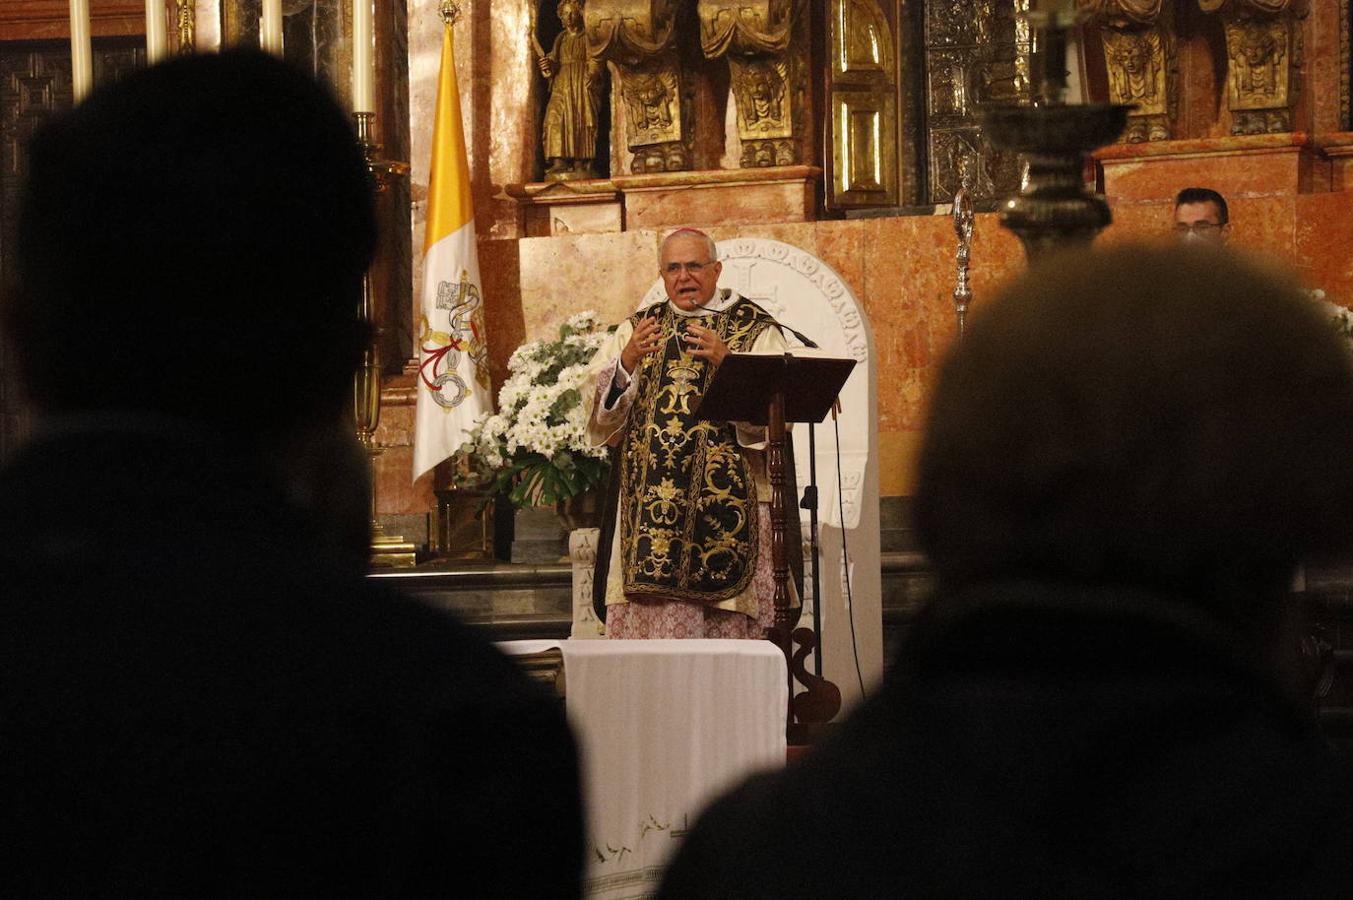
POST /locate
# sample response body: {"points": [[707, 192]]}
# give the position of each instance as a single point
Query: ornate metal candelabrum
{"points": [[386, 550], [964, 218], [1052, 208]]}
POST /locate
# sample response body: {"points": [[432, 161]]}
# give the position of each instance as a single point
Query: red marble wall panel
{"points": [[500, 276], [1323, 244], [1264, 225], [900, 269], [1247, 166], [567, 274], [720, 204]]}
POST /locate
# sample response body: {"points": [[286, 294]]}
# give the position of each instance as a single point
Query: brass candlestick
{"points": [[386, 550]]}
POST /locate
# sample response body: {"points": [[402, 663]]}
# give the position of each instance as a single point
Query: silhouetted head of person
{"points": [[1174, 419], [191, 243]]}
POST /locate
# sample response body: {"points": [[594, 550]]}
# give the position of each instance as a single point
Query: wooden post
{"points": [[775, 467]]}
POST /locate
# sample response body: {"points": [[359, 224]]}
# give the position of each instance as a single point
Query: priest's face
{"points": [[1200, 222], [688, 274]]}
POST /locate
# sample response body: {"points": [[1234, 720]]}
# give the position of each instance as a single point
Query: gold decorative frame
{"points": [[185, 25]]}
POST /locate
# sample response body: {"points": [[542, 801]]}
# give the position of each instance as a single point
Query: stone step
{"points": [[511, 601]]}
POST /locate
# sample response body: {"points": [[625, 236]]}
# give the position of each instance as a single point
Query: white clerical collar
{"points": [[722, 299]]}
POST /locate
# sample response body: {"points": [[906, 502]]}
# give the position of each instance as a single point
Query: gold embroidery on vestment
{"points": [[689, 528]]}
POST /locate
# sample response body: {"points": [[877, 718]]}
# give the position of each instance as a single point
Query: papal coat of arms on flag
{"points": [[442, 370]]}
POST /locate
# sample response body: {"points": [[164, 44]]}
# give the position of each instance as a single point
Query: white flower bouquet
{"points": [[534, 448]]}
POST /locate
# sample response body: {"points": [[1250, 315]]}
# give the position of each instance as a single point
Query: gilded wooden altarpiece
{"points": [[1140, 55], [765, 43], [862, 119], [639, 39], [1264, 60]]}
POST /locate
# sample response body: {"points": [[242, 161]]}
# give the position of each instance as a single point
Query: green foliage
{"points": [[533, 480]]}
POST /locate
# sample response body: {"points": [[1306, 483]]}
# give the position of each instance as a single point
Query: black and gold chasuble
{"points": [[688, 526]]}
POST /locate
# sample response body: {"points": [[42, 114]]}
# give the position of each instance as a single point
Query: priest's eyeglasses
{"points": [[692, 268], [1200, 228]]}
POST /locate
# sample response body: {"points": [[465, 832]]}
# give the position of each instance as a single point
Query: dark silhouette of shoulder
{"points": [[199, 698]]}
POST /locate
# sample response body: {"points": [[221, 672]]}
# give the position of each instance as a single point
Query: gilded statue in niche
{"points": [[765, 42], [569, 129], [1263, 50], [648, 101], [638, 37], [1257, 63], [761, 92], [1134, 75], [1139, 53]]}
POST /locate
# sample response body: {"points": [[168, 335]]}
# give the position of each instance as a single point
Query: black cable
{"points": [[845, 554]]}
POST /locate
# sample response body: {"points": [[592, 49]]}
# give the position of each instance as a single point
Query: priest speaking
{"points": [[686, 548]]}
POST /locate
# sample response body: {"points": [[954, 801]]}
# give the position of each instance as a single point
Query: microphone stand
{"points": [[810, 503]]}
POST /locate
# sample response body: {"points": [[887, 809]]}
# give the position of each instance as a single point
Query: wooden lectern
{"points": [[772, 390]]}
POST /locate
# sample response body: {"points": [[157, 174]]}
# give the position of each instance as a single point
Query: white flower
{"points": [[539, 412]]}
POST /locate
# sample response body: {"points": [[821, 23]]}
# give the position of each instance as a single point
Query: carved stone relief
{"points": [[582, 556], [975, 53], [1264, 59], [766, 46], [1140, 55], [638, 37]]}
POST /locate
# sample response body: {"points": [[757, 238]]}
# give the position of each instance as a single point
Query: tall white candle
{"points": [[156, 43], [270, 28], [81, 53], [363, 58]]}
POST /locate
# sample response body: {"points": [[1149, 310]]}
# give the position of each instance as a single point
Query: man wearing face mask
{"points": [[686, 550], [1200, 214]]}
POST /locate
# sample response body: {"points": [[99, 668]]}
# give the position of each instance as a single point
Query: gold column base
{"points": [[391, 551]]}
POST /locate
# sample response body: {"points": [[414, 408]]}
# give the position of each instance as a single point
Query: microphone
{"points": [[802, 338]]}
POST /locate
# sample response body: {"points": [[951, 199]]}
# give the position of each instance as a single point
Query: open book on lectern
{"points": [[746, 383]]}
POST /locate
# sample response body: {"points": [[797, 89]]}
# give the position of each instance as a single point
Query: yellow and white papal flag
{"points": [[453, 369]]}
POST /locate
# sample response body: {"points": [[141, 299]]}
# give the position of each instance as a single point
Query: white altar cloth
{"points": [[663, 727]]}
